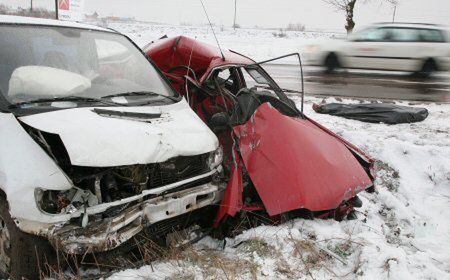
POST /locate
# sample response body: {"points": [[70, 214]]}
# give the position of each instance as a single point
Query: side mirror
{"points": [[220, 121]]}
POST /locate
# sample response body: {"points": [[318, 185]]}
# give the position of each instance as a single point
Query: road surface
{"points": [[364, 84]]}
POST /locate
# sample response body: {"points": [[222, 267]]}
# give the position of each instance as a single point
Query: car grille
{"points": [[175, 170], [125, 181]]}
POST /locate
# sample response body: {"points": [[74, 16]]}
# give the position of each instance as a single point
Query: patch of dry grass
{"points": [[258, 246]]}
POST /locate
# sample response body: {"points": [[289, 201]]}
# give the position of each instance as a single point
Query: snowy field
{"points": [[402, 230], [259, 44]]}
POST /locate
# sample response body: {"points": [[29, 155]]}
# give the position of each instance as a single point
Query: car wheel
{"points": [[331, 63], [427, 69], [22, 256]]}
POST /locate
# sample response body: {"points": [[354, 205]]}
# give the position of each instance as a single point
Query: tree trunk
{"points": [[349, 16]]}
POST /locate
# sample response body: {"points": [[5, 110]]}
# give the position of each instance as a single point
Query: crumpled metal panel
{"points": [[24, 166], [96, 140], [202, 58], [294, 163], [232, 201]]}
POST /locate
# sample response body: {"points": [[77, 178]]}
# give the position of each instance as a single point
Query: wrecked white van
{"points": [[95, 144]]}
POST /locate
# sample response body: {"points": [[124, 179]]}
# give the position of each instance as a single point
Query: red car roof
{"points": [[175, 52]]}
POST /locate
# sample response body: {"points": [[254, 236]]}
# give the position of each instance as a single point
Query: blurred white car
{"points": [[419, 48]]}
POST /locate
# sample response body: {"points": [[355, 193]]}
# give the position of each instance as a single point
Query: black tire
{"points": [[331, 63], [29, 254], [428, 68]]}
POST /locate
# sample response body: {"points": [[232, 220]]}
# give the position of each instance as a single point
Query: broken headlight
{"points": [[64, 202], [215, 158]]}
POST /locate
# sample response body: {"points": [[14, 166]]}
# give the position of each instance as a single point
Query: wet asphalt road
{"points": [[363, 84]]}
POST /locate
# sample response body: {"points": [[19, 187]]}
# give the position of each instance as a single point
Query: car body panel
{"points": [[24, 166], [232, 202], [295, 164], [383, 54], [7, 19], [134, 141], [109, 233], [444, 63], [387, 55], [170, 53]]}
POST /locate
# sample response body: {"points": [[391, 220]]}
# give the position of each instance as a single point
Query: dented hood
{"points": [[135, 135], [295, 164]]}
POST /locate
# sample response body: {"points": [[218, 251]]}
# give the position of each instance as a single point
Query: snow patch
{"points": [[402, 231]]}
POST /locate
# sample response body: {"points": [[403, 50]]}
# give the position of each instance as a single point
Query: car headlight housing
{"points": [[215, 158], [63, 202]]}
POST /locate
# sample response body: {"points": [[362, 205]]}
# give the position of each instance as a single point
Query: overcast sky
{"points": [[266, 13]]}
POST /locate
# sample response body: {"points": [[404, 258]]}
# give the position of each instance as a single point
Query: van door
{"points": [[403, 49], [366, 49]]}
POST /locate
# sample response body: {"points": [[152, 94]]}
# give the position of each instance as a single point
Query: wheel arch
{"points": [[331, 62], [331, 54], [432, 60], [3, 194]]}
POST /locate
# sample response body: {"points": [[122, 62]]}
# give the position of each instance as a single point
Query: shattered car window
{"points": [[254, 78], [257, 76], [56, 62], [225, 76]]}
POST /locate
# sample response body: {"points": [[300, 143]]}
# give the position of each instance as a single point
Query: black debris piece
{"points": [[374, 112]]}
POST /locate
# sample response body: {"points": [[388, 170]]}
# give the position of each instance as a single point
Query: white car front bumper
{"points": [[109, 233]]}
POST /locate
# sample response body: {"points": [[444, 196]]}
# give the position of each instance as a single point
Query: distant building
{"points": [[93, 17]]}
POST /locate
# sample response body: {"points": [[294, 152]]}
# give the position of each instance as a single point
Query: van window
{"points": [[402, 34], [431, 35], [105, 63], [371, 35]]}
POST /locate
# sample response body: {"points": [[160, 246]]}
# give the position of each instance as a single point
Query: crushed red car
{"points": [[277, 161]]}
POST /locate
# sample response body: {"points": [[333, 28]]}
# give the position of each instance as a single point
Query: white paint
{"points": [[91, 140], [383, 54], [41, 81], [112, 232], [44, 223], [101, 141], [96, 209], [48, 22], [24, 166], [177, 205]]}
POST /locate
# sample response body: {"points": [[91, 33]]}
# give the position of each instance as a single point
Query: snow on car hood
{"points": [[100, 138]]}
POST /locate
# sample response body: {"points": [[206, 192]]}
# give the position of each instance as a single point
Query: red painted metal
{"points": [[232, 202], [183, 51], [295, 164]]}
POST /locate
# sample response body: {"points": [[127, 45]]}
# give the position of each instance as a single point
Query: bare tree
{"points": [[348, 6]]}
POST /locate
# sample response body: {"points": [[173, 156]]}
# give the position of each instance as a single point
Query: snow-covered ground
{"points": [[259, 44], [402, 230]]}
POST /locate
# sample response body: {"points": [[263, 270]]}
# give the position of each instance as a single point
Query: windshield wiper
{"points": [[66, 98], [141, 93]]}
